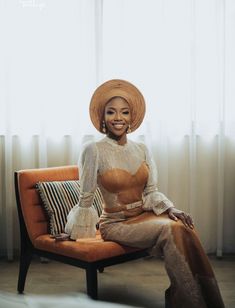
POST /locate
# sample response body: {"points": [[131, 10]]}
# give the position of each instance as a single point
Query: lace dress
{"points": [[133, 215]]}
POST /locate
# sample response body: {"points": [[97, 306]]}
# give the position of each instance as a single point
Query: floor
{"points": [[139, 283]]}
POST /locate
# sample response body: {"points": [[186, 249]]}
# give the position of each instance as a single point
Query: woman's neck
{"points": [[121, 140]]}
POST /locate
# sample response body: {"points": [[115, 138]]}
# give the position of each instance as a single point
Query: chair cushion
{"points": [[89, 249], [59, 197]]}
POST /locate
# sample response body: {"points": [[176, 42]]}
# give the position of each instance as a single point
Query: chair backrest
{"points": [[28, 201]]}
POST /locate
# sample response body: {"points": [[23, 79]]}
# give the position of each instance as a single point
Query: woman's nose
{"points": [[118, 116]]}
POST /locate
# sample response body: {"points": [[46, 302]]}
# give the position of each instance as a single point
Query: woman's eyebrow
{"points": [[116, 108]]}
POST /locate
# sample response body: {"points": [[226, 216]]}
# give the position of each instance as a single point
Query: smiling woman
{"points": [[117, 119], [181, 55], [134, 212]]}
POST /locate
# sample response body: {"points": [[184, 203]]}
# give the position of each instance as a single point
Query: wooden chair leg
{"points": [[167, 298], [25, 260], [91, 282], [101, 270]]}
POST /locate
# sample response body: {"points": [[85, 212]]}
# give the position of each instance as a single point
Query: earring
{"points": [[103, 127], [129, 129]]}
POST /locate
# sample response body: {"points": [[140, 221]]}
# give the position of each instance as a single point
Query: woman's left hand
{"points": [[186, 219]]}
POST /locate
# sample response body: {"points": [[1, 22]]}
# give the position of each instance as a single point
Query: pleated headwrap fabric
{"points": [[113, 88]]}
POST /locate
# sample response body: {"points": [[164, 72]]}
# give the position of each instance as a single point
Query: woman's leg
{"points": [[192, 279], [193, 283]]}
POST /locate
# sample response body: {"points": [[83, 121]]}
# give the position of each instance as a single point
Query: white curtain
{"points": [[179, 53]]}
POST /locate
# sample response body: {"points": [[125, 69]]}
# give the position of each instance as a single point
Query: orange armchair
{"points": [[91, 254]]}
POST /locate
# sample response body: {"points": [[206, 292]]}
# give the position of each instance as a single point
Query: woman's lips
{"points": [[118, 125]]}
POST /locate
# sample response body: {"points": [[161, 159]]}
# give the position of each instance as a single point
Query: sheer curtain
{"points": [[180, 55]]}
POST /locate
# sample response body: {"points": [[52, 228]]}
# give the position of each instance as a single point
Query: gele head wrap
{"points": [[113, 88]]}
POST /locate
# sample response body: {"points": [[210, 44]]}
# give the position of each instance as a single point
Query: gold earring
{"points": [[103, 127], [129, 129]]}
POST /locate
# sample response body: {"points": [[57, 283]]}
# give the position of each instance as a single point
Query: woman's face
{"points": [[117, 116]]}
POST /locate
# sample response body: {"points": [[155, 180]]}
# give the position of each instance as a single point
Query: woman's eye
{"points": [[109, 112], [126, 112]]}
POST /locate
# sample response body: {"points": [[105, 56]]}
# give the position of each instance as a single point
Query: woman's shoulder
{"points": [[89, 145], [89, 149], [146, 151], [140, 145]]}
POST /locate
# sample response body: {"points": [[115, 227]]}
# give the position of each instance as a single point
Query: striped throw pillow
{"points": [[59, 197]]}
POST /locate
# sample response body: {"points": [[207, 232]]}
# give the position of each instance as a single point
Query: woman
{"points": [[135, 213]]}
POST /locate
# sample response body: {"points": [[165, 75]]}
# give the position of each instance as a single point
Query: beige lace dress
{"points": [[134, 215]]}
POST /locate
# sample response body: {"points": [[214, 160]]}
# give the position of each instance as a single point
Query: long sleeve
{"points": [[82, 219], [153, 199]]}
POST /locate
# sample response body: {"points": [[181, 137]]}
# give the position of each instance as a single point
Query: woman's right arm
{"points": [[153, 199], [82, 219]]}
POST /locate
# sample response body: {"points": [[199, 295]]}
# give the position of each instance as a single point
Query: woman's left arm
{"points": [[157, 201]]}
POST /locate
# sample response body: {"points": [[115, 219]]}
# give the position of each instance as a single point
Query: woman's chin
{"points": [[117, 133]]}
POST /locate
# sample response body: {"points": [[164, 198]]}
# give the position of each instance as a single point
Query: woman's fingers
{"points": [[189, 221], [186, 219], [182, 217], [172, 216]]}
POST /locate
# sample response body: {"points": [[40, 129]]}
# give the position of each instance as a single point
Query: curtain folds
{"points": [[180, 54]]}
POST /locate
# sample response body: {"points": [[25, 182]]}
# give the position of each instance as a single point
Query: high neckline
{"points": [[114, 142]]}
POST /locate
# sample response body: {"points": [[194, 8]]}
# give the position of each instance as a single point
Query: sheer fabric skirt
{"points": [[193, 283]]}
